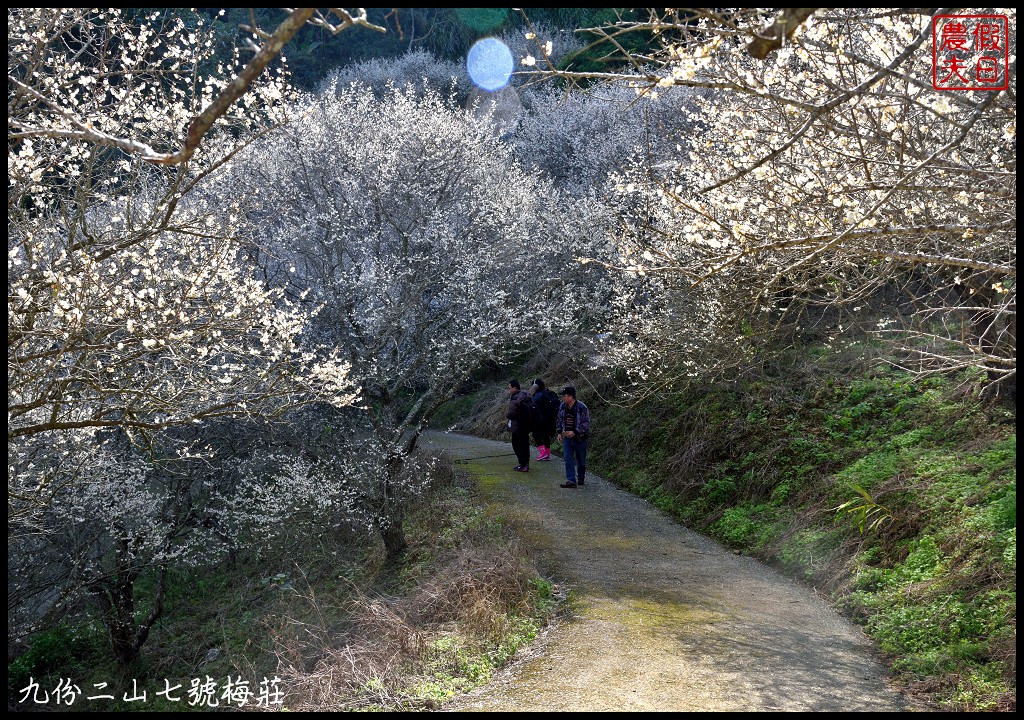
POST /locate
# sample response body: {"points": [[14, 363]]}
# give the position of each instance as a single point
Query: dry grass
{"points": [[368, 642], [487, 418], [560, 362], [390, 640]]}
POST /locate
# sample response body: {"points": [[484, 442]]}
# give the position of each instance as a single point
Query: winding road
{"points": [[663, 619]]}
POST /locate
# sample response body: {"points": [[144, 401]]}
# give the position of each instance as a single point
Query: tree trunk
{"points": [[118, 598], [393, 512], [394, 538]]}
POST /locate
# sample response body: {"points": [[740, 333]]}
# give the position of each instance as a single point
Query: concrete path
{"points": [[664, 619]]}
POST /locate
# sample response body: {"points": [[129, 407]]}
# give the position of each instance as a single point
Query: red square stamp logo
{"points": [[970, 52]]}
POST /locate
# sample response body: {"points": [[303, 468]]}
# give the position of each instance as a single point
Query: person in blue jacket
{"points": [[573, 427]]}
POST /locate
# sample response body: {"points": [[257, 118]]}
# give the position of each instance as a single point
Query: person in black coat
{"points": [[545, 413], [520, 421]]}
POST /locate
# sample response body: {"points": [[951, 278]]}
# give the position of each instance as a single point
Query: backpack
{"points": [[527, 413], [550, 403], [545, 409]]}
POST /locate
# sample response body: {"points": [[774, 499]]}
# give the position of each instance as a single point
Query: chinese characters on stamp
{"points": [[970, 52]]}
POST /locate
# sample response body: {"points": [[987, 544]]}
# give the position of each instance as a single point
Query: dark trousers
{"points": [[542, 438], [574, 451], [521, 446]]}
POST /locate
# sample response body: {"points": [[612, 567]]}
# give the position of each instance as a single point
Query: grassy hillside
{"points": [[895, 499]]}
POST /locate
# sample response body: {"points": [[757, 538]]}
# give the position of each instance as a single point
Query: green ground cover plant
{"points": [[893, 495]]}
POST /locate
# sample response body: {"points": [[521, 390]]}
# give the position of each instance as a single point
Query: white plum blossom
{"points": [[818, 172], [416, 231]]}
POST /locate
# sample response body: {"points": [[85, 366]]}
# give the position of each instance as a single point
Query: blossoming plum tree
{"points": [[824, 171], [131, 310], [427, 246]]}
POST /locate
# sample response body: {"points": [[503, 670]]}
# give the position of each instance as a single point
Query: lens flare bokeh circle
{"points": [[489, 64]]}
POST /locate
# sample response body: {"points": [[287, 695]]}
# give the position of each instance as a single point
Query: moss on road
{"points": [[663, 618]]}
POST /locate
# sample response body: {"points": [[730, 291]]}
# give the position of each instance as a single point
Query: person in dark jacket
{"points": [[573, 427], [545, 414], [520, 412]]}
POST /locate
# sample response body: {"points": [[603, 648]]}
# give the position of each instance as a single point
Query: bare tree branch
{"points": [[777, 34]]}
